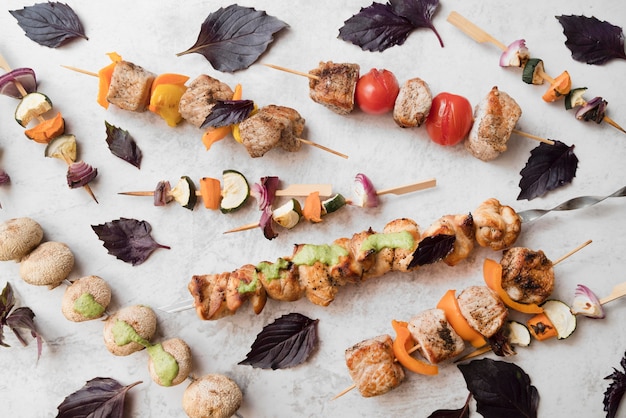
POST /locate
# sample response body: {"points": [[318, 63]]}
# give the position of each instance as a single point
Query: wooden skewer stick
{"points": [[480, 36], [291, 190], [289, 70], [536, 138], [5, 66], [304, 141], [409, 188], [572, 252]]}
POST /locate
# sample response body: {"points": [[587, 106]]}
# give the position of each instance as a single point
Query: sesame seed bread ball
{"points": [[143, 321], [212, 396], [181, 352], [18, 236], [86, 299], [47, 265]]}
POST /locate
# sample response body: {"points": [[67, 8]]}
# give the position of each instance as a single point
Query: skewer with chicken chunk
{"points": [[482, 309], [496, 226], [527, 275], [372, 366], [402, 256], [130, 87], [495, 118], [333, 85], [462, 227], [272, 126], [435, 336], [412, 104], [280, 280], [199, 99]]}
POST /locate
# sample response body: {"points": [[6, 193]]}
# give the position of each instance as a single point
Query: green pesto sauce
{"points": [[124, 334], [271, 271], [249, 287], [87, 306], [165, 365], [309, 254], [377, 242]]}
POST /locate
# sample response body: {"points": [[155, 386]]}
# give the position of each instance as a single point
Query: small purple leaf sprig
{"points": [[17, 319]]}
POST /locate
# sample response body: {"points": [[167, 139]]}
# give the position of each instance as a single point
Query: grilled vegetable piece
{"points": [[561, 316], [235, 191], [185, 193], [62, 147], [31, 107], [518, 333], [533, 70], [288, 215]]}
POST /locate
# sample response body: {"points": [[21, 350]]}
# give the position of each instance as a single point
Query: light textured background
{"points": [[568, 374]]}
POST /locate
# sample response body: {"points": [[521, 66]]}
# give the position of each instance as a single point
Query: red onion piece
{"points": [[265, 191], [365, 192], [266, 223], [25, 76], [79, 174], [515, 55], [162, 193], [587, 303], [593, 110]]}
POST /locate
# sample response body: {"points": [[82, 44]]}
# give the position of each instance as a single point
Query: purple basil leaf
{"points": [[376, 28], [549, 167], [432, 249], [128, 239], [122, 145], [100, 397], [7, 301], [286, 342], [615, 392], [463, 412], [418, 12], [49, 24], [228, 112], [591, 40], [500, 389], [23, 318], [233, 38]]}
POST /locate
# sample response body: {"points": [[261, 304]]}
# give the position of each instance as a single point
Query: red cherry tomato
{"points": [[376, 91], [450, 119]]}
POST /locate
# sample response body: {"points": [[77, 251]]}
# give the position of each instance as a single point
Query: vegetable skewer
{"points": [[85, 172], [480, 36], [213, 133]]}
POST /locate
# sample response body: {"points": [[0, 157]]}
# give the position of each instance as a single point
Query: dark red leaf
{"points": [[128, 239], [49, 24], [286, 342], [549, 167], [233, 38], [418, 12], [591, 40], [463, 412], [20, 318], [501, 389], [100, 397], [615, 392], [122, 145], [432, 249], [228, 112]]}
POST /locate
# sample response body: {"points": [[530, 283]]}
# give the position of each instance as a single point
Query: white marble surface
{"points": [[568, 374]]}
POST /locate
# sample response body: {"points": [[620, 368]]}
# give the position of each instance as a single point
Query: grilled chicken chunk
{"points": [[462, 227], [209, 294], [243, 284], [433, 333], [270, 127], [482, 309], [286, 287], [401, 256], [335, 86], [199, 99], [412, 104], [495, 118], [372, 367], [496, 226], [130, 87], [527, 275]]}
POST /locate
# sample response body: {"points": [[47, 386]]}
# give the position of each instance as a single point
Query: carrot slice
{"points": [[450, 305], [47, 130], [211, 192], [492, 273], [541, 327], [312, 210], [561, 86]]}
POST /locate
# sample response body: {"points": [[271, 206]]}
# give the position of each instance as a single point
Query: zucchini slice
{"points": [[185, 193], [235, 191], [532, 70], [62, 147], [561, 316], [333, 203], [518, 333], [575, 98], [288, 215], [30, 107]]}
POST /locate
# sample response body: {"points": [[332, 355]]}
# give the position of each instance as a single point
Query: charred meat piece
{"points": [[130, 87], [462, 227], [348, 269], [335, 86], [286, 287], [527, 275], [209, 294], [433, 333], [495, 118], [270, 127], [244, 284], [199, 99], [412, 104], [372, 367], [401, 256], [482, 309], [496, 226]]}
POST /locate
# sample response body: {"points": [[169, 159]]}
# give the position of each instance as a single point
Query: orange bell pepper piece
{"points": [[47, 130], [541, 327], [104, 79], [401, 346], [450, 305], [559, 88], [165, 94], [312, 210], [492, 273], [211, 192], [212, 135]]}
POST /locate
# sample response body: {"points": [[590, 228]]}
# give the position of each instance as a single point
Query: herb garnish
{"points": [[100, 397], [16, 319], [122, 145], [615, 392], [49, 24], [591, 40]]}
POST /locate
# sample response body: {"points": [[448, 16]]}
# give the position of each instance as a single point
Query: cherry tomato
{"points": [[376, 91], [450, 119]]}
